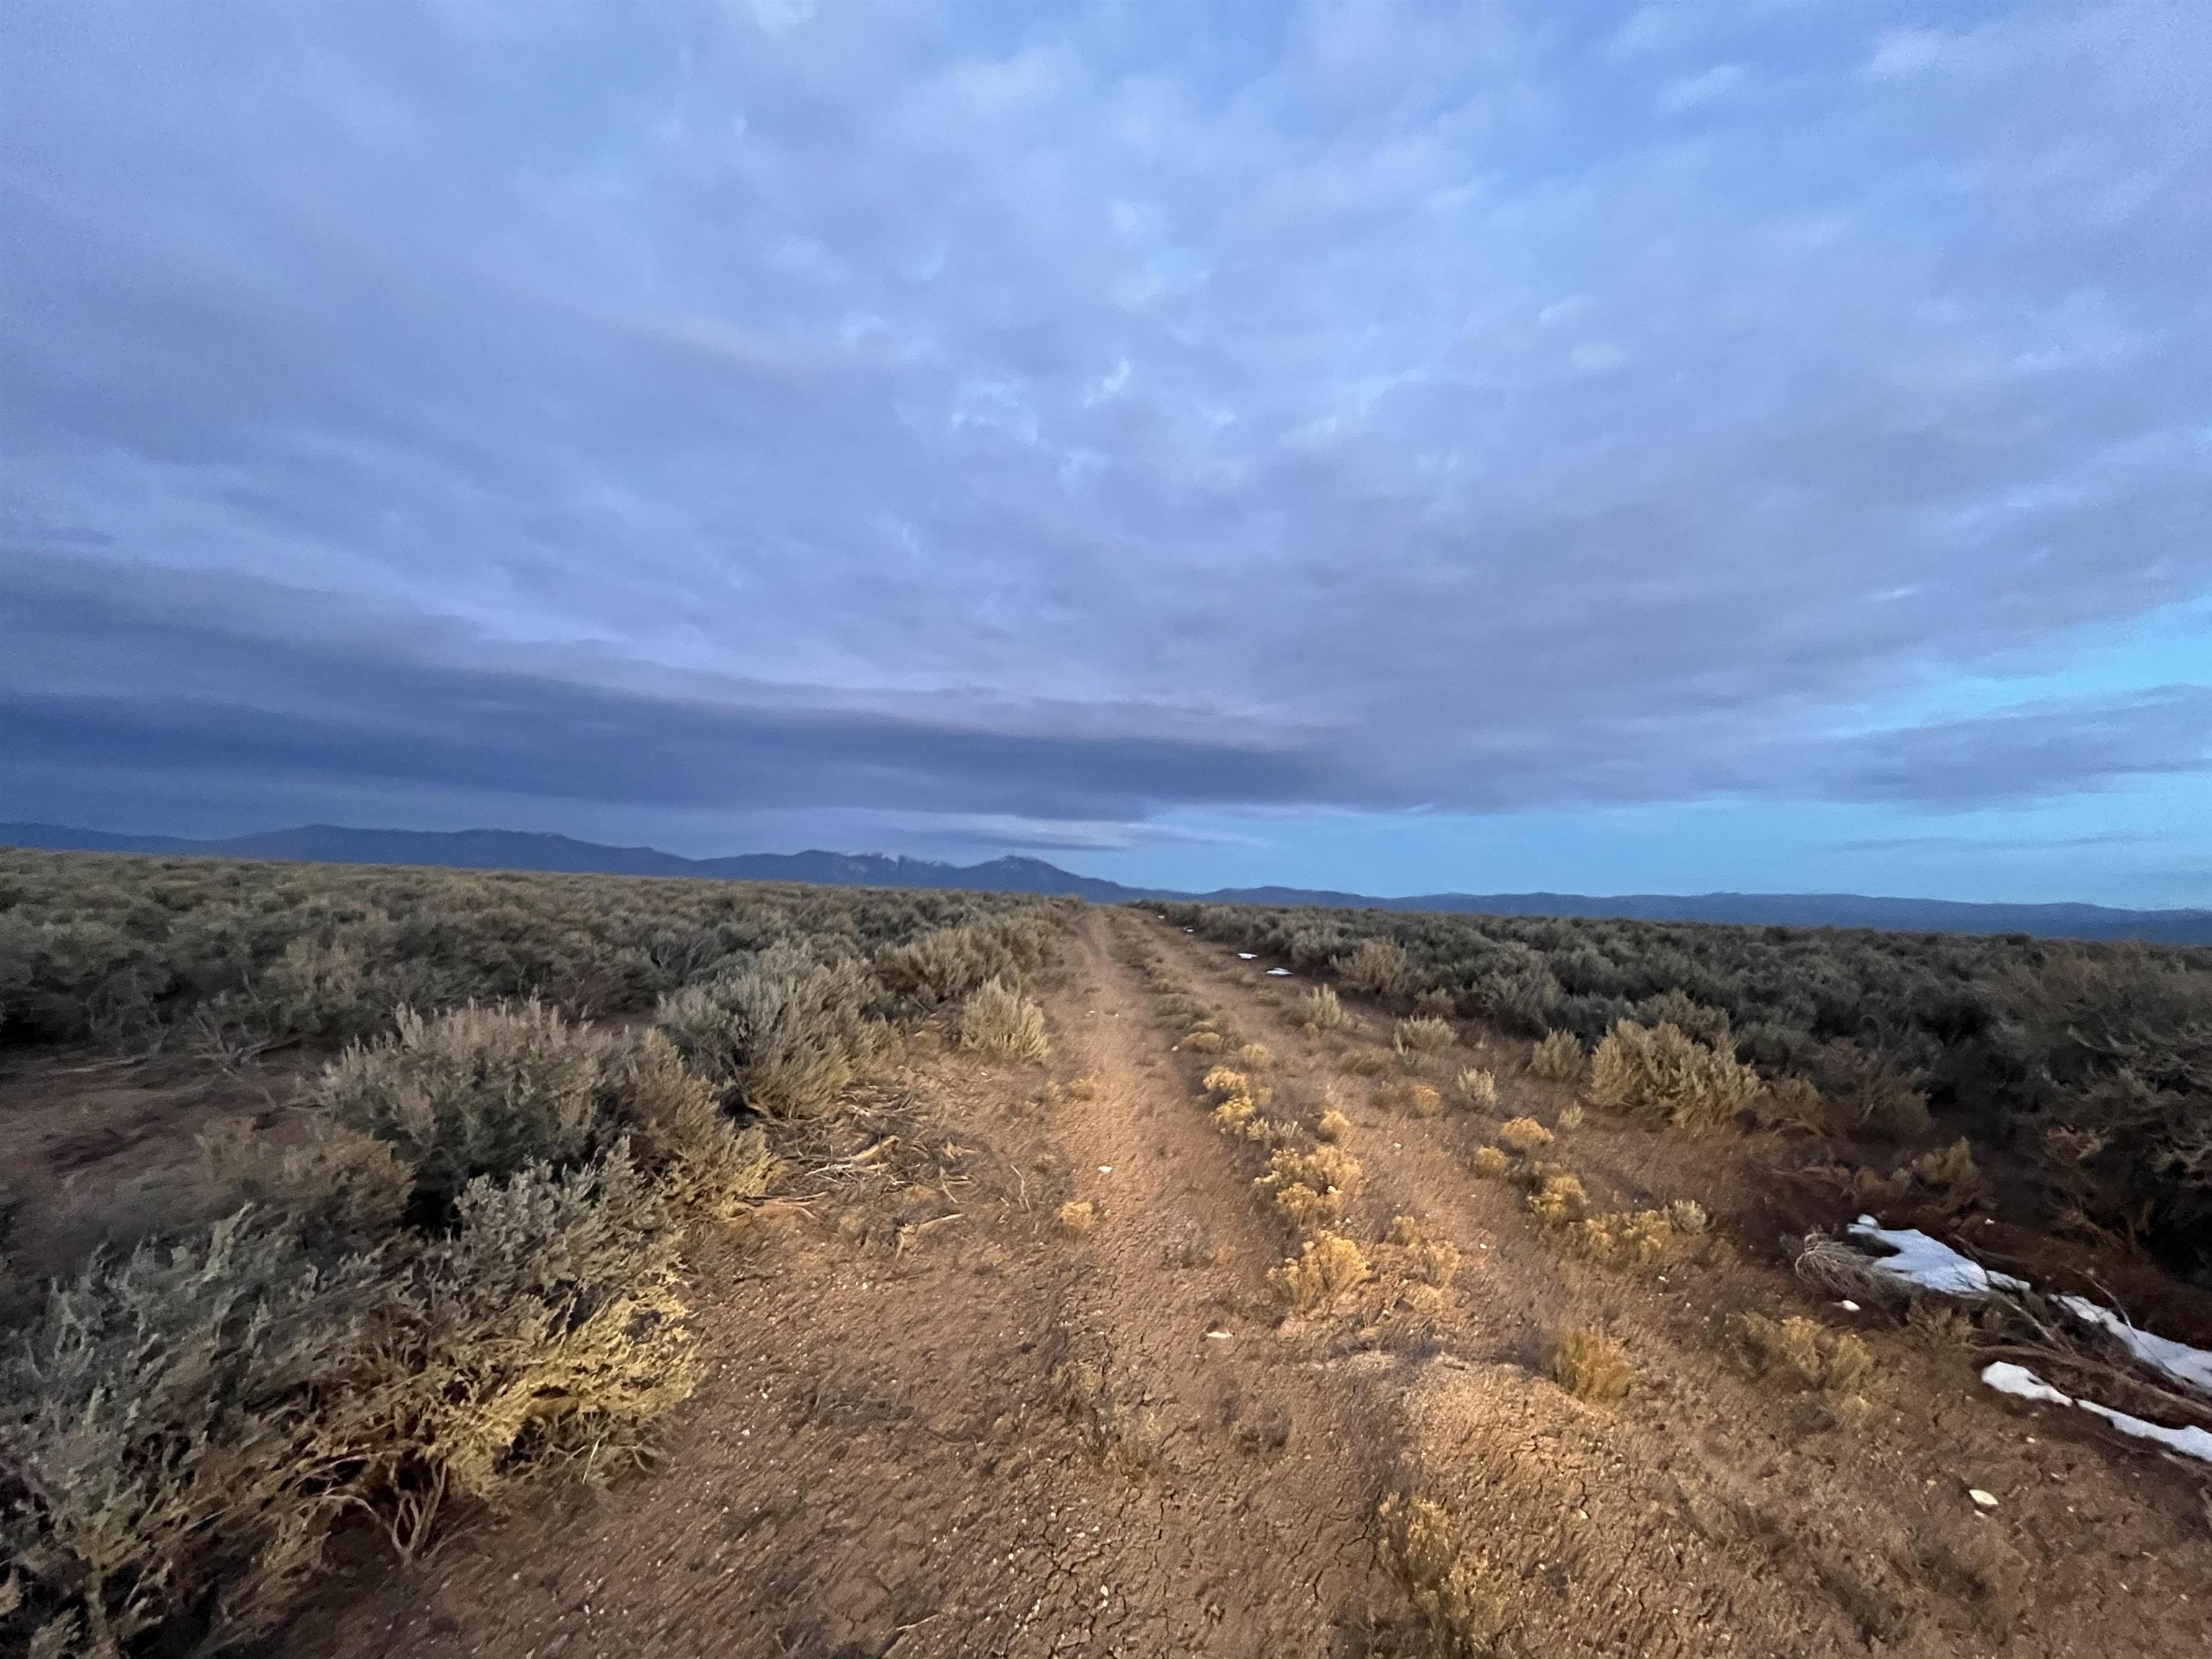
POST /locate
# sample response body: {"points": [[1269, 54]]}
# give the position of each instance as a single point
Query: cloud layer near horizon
{"points": [[1058, 419]]}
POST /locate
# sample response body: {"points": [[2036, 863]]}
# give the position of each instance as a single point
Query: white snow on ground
{"points": [[1246, 956], [2190, 1367], [1929, 1263], [1279, 973], [2024, 1384]]}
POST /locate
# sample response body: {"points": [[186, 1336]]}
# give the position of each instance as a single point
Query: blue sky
{"points": [[1761, 446]]}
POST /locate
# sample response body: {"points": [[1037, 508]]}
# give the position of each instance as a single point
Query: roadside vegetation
{"points": [[461, 1266], [2080, 1072]]}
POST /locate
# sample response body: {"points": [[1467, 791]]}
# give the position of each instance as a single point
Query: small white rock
{"points": [[1848, 1305], [1105, 1168], [1983, 1500]]}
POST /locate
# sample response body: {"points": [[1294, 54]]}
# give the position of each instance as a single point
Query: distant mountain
{"points": [[511, 849]]}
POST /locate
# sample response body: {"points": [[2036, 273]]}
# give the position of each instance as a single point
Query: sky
{"points": [[1758, 447]]}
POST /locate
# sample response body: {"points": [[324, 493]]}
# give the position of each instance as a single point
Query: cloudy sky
{"points": [[1764, 445]]}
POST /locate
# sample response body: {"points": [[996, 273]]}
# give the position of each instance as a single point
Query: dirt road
{"points": [[939, 1420]]}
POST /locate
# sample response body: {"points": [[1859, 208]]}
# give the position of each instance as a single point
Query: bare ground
{"points": [[938, 1421]]}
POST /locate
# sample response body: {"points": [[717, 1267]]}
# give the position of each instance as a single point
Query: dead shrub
{"points": [[1001, 1024], [1558, 1200], [1408, 1253], [1327, 1267], [1367, 1062], [1590, 1364], [1333, 1126], [1665, 1076], [1490, 1163], [1125, 1438], [1803, 1354], [1416, 1099], [786, 1031], [1256, 1056], [1424, 1033], [1557, 1057], [1477, 1088], [1434, 1557], [1524, 1135]]}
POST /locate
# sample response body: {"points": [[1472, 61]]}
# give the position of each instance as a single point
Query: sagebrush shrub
{"points": [[945, 964], [1423, 1035], [783, 1030], [1490, 1163], [479, 1091], [185, 1425], [1320, 1010], [1477, 1088], [998, 1022], [1379, 967], [1663, 1074], [1557, 1057], [489, 1091]]}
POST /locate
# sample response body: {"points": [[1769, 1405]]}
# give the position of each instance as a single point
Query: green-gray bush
{"points": [[785, 1030]]}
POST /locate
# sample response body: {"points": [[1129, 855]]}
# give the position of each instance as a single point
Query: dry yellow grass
{"points": [[1000, 1023], [1442, 1578], [1418, 1099], [1411, 1254], [1490, 1163], [1333, 1126], [1804, 1353], [1590, 1364], [1328, 1266], [1640, 1238]]}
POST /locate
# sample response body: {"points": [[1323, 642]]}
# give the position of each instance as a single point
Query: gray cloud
{"points": [[1076, 415]]}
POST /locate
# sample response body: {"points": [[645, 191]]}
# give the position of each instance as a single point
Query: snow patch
{"points": [[2022, 1384], [1248, 956], [1279, 973], [1928, 1264], [2190, 1367]]}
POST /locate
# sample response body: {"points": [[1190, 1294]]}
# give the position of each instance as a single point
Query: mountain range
{"points": [[511, 849]]}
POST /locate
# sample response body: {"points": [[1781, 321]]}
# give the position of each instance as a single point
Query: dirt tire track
{"points": [[1846, 1517]]}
